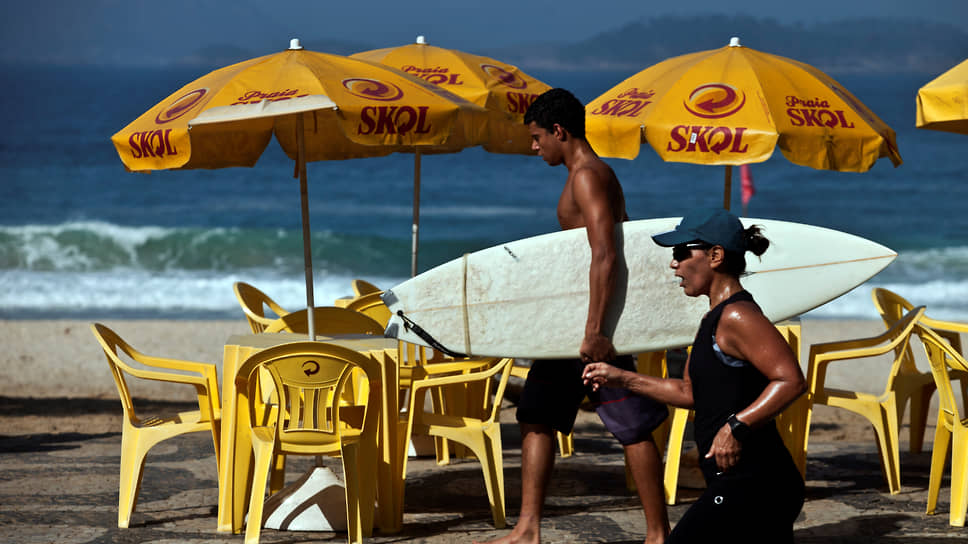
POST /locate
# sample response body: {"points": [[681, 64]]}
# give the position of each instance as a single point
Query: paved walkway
{"points": [[62, 487]]}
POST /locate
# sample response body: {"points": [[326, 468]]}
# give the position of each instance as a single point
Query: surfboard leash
{"points": [[409, 324]]}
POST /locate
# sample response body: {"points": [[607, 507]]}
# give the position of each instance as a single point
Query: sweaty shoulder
{"points": [[740, 320], [595, 184]]}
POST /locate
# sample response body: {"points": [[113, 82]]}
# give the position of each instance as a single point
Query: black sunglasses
{"points": [[682, 252]]}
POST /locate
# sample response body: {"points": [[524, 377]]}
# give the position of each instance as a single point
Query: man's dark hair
{"points": [[557, 106]]}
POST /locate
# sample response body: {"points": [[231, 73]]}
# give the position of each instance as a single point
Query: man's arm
{"points": [[592, 199]]}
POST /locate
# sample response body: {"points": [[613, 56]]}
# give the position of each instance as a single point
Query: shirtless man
{"points": [[592, 198]]}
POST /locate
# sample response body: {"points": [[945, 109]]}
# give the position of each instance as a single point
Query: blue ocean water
{"points": [[81, 237]]}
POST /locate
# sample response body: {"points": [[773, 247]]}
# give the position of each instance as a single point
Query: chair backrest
{"points": [[309, 378], [113, 345], [892, 307], [362, 287], [372, 305], [254, 303], [204, 380], [328, 320], [944, 359]]}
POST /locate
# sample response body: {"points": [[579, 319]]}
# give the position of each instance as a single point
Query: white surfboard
{"points": [[529, 298]]}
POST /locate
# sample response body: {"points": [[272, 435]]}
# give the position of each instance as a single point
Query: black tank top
{"points": [[722, 388]]}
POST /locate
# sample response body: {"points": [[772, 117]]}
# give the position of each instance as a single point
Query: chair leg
{"points": [[677, 431], [886, 432], [352, 477], [263, 460], [939, 457], [277, 478], [566, 443], [492, 464], [920, 407], [133, 455], [959, 479]]}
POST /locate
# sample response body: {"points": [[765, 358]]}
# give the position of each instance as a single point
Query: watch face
{"points": [[739, 429]]}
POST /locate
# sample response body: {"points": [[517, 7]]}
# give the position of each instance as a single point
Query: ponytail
{"points": [[735, 262]]}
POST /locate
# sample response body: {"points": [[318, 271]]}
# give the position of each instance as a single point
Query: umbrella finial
{"points": [[734, 42], [294, 44], [421, 40]]}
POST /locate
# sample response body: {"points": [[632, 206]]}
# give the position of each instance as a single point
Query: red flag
{"points": [[747, 183]]}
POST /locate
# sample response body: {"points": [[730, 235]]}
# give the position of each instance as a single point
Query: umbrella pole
{"points": [[416, 214], [307, 241], [729, 186]]}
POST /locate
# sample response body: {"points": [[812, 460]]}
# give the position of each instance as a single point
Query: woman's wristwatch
{"points": [[740, 430]]}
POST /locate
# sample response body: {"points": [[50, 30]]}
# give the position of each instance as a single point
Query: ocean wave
{"points": [[145, 294], [86, 267], [88, 246]]}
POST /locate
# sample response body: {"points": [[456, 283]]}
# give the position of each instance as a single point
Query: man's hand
{"points": [[597, 347]]}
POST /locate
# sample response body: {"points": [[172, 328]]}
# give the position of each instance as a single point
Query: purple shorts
{"points": [[554, 391]]}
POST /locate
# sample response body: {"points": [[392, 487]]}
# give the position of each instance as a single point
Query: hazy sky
{"points": [[157, 31]]}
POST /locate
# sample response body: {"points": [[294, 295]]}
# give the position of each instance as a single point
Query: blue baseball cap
{"points": [[714, 226]]}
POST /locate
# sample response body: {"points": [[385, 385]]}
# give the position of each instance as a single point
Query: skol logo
{"points": [[505, 77], [151, 143], [393, 120], [180, 106], [628, 103], [815, 112], [438, 75], [710, 101], [714, 101], [310, 367], [703, 139], [519, 102], [373, 89]]}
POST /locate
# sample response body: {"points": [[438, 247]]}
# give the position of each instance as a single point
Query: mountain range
{"points": [[861, 45]]}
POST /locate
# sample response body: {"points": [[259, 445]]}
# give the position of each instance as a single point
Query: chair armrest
{"points": [[172, 364], [471, 377], [950, 326]]}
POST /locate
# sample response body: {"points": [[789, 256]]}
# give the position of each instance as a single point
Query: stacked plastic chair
{"points": [[254, 303], [313, 418], [882, 410], [951, 432]]}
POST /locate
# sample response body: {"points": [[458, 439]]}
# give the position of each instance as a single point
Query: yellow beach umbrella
{"points": [[503, 89], [733, 106], [318, 106], [943, 102]]}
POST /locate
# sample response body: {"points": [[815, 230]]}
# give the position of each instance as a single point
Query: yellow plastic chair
{"points": [[418, 362], [881, 410], [952, 427], [481, 435], [138, 435], [254, 303], [371, 304], [311, 419], [913, 385], [328, 320], [362, 287]]}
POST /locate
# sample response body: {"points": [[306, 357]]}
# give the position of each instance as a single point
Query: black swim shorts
{"points": [[554, 391]]}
